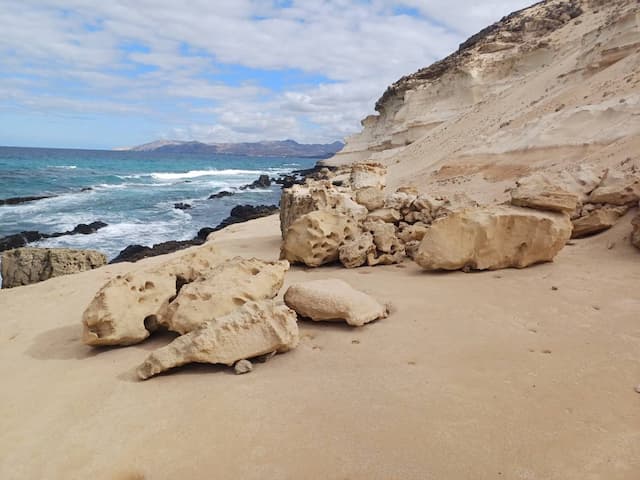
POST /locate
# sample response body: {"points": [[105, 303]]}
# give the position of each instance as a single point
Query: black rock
{"points": [[133, 253], [182, 206], [86, 189], [263, 181], [242, 213], [203, 233], [221, 194], [19, 200], [18, 240], [85, 229]]}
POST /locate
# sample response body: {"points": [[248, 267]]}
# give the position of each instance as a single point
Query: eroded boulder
{"points": [[537, 192], [354, 253], [226, 287], [617, 189], [333, 300], [256, 328], [24, 266], [129, 307], [365, 175], [372, 198], [315, 238], [490, 238], [596, 221]]}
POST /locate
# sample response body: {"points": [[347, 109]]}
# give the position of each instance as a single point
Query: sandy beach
{"points": [[483, 375]]}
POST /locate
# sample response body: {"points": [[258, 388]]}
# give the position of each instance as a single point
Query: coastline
{"points": [[464, 359]]}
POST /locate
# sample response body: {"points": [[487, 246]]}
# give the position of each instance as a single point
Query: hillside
{"points": [[283, 148], [548, 87]]}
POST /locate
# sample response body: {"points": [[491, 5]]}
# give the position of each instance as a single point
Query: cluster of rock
{"points": [[594, 200], [24, 266], [351, 218], [21, 239], [223, 309]]}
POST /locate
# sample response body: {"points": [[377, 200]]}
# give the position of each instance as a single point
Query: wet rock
{"points": [[19, 200], [221, 194], [243, 213], [263, 181], [23, 238], [24, 266], [181, 206]]}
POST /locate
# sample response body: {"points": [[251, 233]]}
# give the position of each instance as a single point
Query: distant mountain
{"points": [[282, 148]]}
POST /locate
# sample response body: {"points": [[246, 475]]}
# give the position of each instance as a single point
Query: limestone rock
{"points": [[365, 175], [371, 197], [537, 192], [411, 248], [315, 238], [597, 221], [256, 328], [421, 216], [391, 258], [635, 234], [388, 215], [242, 366], [354, 253], [416, 231], [333, 300], [226, 287], [316, 195], [23, 266], [493, 237], [617, 189], [400, 201], [129, 307]]}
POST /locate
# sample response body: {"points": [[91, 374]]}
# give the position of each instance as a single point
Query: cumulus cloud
{"points": [[215, 71]]}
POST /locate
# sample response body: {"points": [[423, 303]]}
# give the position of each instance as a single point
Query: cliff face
{"points": [[561, 77]]}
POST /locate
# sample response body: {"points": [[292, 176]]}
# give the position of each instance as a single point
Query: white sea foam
{"points": [[202, 173], [65, 167]]}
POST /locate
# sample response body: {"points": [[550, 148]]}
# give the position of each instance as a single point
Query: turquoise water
{"points": [[134, 192]]}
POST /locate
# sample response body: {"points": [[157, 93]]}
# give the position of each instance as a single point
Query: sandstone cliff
{"points": [[548, 87]]}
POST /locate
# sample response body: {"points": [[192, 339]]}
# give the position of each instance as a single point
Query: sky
{"points": [[117, 73]]}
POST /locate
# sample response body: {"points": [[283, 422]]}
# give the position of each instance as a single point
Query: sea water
{"points": [[133, 192]]}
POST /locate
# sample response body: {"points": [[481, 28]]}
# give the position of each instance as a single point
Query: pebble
{"points": [[242, 366], [637, 389]]}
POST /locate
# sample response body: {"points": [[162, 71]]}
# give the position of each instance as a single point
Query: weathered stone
{"points": [[333, 300], [354, 253], [254, 329], [411, 248], [316, 195], [315, 238], [597, 221], [242, 366], [617, 190], [493, 237], [537, 192], [408, 233], [371, 197], [400, 201], [388, 215], [23, 266], [365, 175], [422, 216], [635, 233], [224, 288], [128, 307]]}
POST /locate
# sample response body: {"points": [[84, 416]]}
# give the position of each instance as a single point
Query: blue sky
{"points": [[86, 74]]}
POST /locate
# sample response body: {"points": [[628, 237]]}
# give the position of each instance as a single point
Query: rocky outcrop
{"points": [[315, 238], [537, 192], [263, 181], [490, 238], [182, 206], [129, 307], [224, 288], [333, 300], [365, 175], [244, 213], [371, 197], [220, 194], [256, 328], [596, 221], [24, 266], [617, 189], [19, 200], [23, 238]]}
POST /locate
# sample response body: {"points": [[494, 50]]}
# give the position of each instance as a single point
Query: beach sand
{"points": [[481, 375]]}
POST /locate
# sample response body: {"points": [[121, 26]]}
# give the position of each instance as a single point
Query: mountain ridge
{"points": [[267, 148]]}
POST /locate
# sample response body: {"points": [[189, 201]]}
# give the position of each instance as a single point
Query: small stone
{"points": [[637, 389], [355, 342], [242, 366], [554, 288]]}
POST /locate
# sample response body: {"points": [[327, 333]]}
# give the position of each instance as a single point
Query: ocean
{"points": [[133, 192]]}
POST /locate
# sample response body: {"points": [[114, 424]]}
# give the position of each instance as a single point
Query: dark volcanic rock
{"points": [[181, 206], [242, 213], [19, 200], [133, 253], [223, 193], [23, 238], [263, 181]]}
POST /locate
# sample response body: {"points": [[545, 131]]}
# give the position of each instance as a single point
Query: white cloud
{"points": [[140, 56]]}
